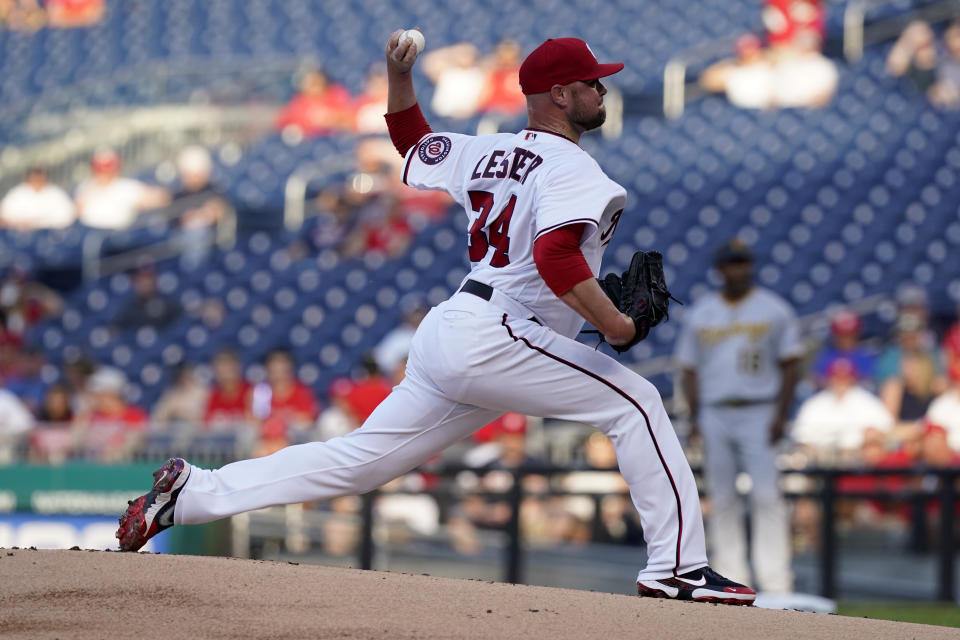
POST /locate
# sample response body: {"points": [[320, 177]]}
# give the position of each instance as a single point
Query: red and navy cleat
{"points": [[699, 585], [152, 512]]}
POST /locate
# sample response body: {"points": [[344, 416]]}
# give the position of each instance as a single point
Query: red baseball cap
{"points": [[561, 61], [843, 368], [845, 323]]}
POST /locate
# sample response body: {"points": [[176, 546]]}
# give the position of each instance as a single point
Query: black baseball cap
{"points": [[735, 250]]}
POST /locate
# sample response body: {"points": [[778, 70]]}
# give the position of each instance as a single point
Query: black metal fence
{"points": [[940, 486]]}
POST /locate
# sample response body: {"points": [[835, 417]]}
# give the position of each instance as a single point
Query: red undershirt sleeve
{"points": [[407, 127], [559, 260]]}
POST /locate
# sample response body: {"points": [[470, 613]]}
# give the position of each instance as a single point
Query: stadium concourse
{"points": [[850, 205]]}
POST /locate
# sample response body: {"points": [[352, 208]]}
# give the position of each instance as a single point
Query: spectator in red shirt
{"points": [[109, 428], [390, 237], [502, 95], [24, 303], [64, 14], [951, 349], [282, 404], [227, 405], [367, 393], [320, 109]]}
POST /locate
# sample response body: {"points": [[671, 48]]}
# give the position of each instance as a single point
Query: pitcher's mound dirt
{"points": [[85, 594]]}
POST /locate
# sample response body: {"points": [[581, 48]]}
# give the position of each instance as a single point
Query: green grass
{"points": [[943, 614]]}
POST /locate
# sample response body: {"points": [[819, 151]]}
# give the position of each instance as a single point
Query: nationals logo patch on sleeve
{"points": [[435, 149]]}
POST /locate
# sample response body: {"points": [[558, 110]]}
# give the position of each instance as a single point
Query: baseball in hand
{"points": [[416, 36]]}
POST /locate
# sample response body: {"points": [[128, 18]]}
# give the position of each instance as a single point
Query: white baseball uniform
{"points": [[473, 359], [736, 350]]}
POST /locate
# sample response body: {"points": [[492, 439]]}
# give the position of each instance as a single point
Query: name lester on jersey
{"points": [[516, 165]]}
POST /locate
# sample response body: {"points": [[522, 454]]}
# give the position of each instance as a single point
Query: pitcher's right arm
{"points": [[405, 122]]}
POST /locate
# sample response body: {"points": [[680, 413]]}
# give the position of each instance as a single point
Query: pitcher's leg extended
{"points": [[413, 423]]}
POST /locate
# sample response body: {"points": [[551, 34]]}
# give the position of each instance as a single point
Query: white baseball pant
{"points": [[737, 439], [469, 363]]}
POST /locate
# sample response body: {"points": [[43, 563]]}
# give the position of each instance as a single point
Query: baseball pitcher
{"points": [[540, 212]]}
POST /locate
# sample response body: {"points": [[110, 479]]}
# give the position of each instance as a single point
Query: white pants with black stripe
{"points": [[469, 363]]}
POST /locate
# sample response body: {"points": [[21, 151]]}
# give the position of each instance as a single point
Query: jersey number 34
{"points": [[482, 238]]}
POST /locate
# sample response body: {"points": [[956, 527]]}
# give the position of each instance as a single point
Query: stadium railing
{"points": [[826, 493]]}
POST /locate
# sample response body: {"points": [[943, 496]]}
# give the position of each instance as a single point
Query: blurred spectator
{"points": [[51, 441], [35, 204], [502, 94], [914, 56], [913, 300], [22, 15], [391, 352], [109, 201], [945, 93], [55, 407], [748, 80], [198, 204], [283, 405], [338, 419], [944, 411], [356, 210], [27, 382], [15, 421], [511, 439], [76, 373], [488, 439], [148, 307], [319, 109], [366, 393], [23, 303], [845, 329], [372, 210], [951, 350], [792, 23], [796, 76], [458, 78], [9, 354], [873, 454], [616, 521], [183, 403], [371, 104], [908, 372], [951, 343], [65, 14], [832, 423], [337, 222], [805, 78], [227, 405], [390, 235], [109, 428], [492, 513], [935, 449]]}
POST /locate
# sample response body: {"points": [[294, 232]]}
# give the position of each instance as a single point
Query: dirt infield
{"points": [[87, 594]]}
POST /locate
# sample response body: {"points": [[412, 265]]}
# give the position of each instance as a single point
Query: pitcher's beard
{"points": [[591, 123]]}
